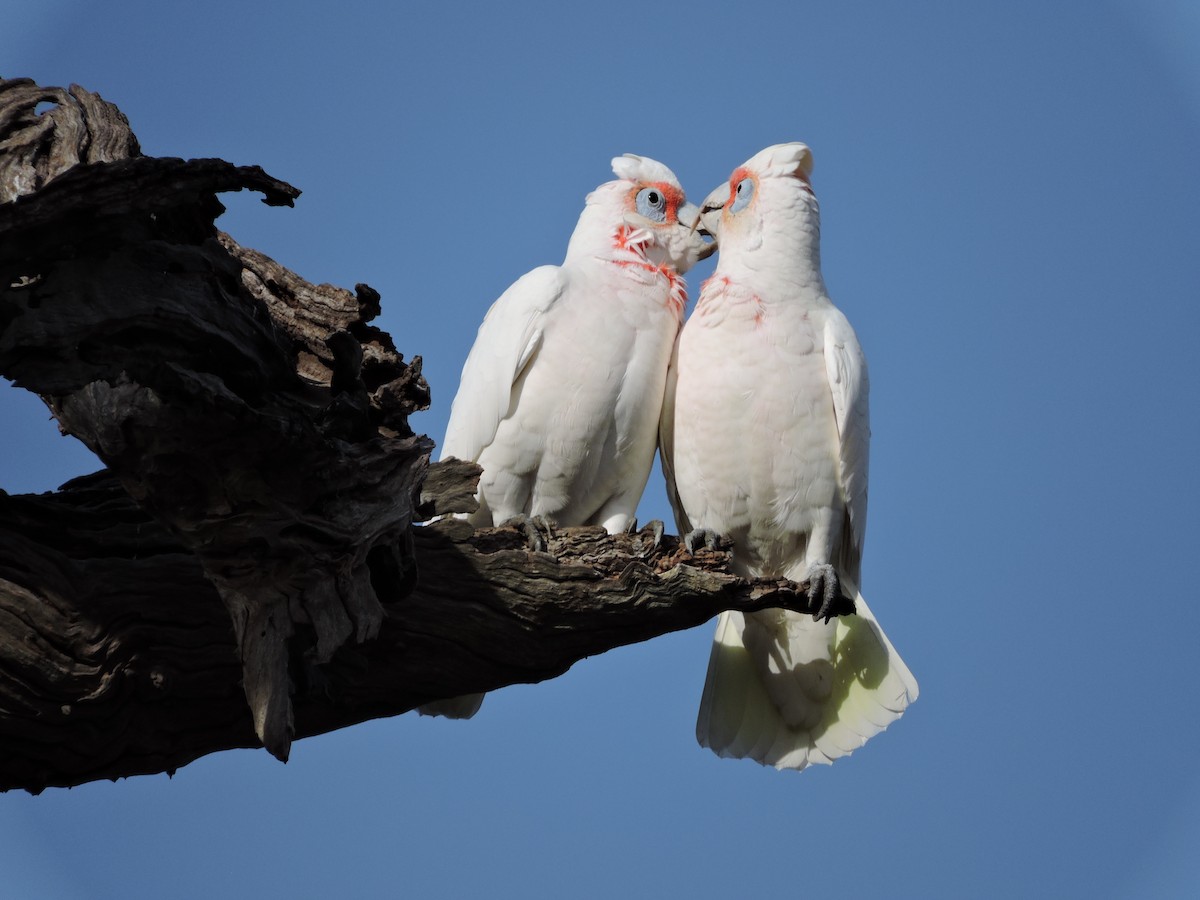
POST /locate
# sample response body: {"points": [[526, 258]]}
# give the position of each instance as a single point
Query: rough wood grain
{"points": [[257, 417], [117, 656]]}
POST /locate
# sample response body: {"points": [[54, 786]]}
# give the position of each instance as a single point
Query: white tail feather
{"points": [[738, 717]]}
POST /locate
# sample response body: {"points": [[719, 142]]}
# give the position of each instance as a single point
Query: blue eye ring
{"points": [[743, 193], [652, 203]]}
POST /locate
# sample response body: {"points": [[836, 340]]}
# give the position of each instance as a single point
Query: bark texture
{"points": [[246, 569]]}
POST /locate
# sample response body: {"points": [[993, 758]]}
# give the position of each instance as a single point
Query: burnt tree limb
{"points": [[247, 569], [258, 418], [117, 655]]}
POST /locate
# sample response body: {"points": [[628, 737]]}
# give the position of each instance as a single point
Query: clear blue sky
{"points": [[1010, 210]]}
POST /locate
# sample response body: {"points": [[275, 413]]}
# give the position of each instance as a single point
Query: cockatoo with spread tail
{"points": [[561, 394], [764, 439]]}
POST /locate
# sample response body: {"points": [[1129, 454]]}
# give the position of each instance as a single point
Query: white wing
{"points": [[507, 342], [846, 368], [666, 442]]}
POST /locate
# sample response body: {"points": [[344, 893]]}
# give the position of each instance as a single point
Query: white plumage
{"points": [[765, 439], [561, 394]]}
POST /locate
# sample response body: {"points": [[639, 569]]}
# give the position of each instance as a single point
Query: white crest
{"points": [[782, 159], [632, 167]]}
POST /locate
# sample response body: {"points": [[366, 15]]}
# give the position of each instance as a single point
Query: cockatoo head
{"points": [[767, 202], [644, 212]]}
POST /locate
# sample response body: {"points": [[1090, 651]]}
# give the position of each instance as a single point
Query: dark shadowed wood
{"points": [[258, 418], [246, 570], [117, 656]]}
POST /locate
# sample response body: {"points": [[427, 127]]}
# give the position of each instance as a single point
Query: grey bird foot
{"points": [[538, 531], [823, 587], [698, 535]]}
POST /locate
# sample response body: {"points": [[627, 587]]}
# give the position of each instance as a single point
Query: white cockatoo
{"points": [[561, 395], [764, 439]]}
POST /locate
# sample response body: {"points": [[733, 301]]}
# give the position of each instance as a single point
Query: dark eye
{"points": [[742, 195], [652, 204]]}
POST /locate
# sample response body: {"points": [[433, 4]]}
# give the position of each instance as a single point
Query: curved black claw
{"points": [[707, 535], [656, 531], [533, 528], [657, 528], [823, 584]]}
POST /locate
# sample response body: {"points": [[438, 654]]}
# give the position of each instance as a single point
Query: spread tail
{"points": [[787, 691]]}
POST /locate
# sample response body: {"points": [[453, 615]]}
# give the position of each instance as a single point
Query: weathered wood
{"points": [[117, 656], [257, 417], [35, 147], [247, 568]]}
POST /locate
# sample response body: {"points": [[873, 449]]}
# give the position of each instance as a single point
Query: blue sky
{"points": [[1009, 196]]}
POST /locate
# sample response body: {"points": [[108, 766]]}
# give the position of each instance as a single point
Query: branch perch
{"points": [[117, 656]]}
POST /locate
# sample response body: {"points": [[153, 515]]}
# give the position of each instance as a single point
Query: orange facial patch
{"points": [[740, 174], [673, 195]]}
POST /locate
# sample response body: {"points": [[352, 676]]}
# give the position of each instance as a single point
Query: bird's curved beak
{"points": [[710, 210], [689, 216]]}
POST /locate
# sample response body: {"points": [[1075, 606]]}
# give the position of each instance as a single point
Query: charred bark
{"points": [[117, 655]]}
